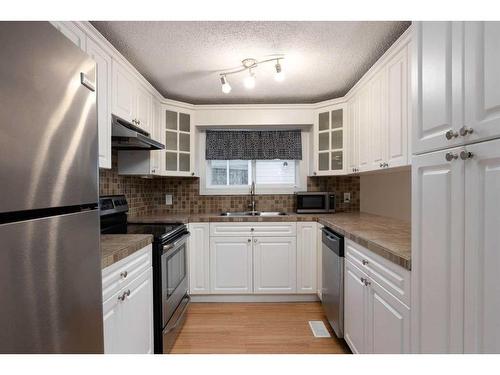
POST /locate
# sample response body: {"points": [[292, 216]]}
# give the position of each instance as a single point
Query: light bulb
{"points": [[279, 76], [249, 81], [226, 87]]}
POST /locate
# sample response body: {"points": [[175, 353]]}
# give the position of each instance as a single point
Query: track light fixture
{"points": [[248, 65]]}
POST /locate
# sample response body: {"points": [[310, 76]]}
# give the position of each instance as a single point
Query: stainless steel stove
{"points": [[170, 276]]}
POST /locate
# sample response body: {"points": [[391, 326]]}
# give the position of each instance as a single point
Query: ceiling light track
{"points": [[249, 64]]}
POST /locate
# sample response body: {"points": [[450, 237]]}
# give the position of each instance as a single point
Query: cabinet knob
{"points": [[192, 173], [124, 274], [367, 283], [465, 130], [381, 165], [249, 240], [386, 165], [450, 134], [451, 156], [464, 155], [255, 240], [363, 280], [252, 229], [314, 173], [365, 262]]}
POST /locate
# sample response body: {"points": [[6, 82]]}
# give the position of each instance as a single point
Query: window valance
{"points": [[253, 145]]}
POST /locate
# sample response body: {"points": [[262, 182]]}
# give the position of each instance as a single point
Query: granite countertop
{"points": [[387, 237], [115, 247]]}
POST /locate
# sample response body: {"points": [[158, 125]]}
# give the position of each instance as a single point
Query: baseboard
{"points": [[254, 298]]}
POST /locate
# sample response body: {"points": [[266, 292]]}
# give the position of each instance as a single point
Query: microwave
{"points": [[309, 202]]}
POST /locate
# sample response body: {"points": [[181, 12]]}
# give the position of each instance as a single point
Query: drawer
{"points": [[392, 277], [253, 228], [120, 273]]}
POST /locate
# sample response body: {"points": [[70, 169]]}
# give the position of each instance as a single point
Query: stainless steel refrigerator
{"points": [[50, 274]]}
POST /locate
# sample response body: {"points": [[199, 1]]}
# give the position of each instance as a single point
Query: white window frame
{"points": [[262, 189]]}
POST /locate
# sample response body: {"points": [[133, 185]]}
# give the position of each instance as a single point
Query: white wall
{"points": [[387, 194], [254, 115]]}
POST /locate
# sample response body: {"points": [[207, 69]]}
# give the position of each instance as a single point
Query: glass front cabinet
{"points": [[179, 143], [330, 141]]}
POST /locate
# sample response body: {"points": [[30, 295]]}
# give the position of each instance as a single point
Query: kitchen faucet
{"points": [[252, 196]]}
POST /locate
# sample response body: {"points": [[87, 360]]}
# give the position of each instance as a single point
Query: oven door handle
{"points": [[179, 317], [175, 244]]}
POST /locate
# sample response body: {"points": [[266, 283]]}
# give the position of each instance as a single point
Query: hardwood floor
{"points": [[259, 328]]}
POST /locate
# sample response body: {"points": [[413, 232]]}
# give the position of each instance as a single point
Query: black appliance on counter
{"points": [[170, 275], [314, 202]]}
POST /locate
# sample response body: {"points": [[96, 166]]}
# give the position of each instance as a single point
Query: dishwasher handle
{"points": [[333, 241]]}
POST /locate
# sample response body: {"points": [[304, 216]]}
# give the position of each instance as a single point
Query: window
{"points": [[241, 173], [234, 177]]}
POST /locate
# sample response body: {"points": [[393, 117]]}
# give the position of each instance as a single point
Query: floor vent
{"points": [[318, 328]]}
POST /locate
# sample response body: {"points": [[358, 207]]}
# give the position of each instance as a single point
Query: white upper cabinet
{"points": [[274, 264], [124, 93], [103, 61], [72, 32], [330, 141], [364, 144], [482, 81], [144, 111], [397, 110], [438, 87], [482, 255], [179, 142], [437, 252], [377, 121], [353, 135], [130, 100]]}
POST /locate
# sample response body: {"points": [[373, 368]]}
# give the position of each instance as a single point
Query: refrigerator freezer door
{"points": [[48, 145], [50, 285]]}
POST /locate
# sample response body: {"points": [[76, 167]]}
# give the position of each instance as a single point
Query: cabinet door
{"points": [[437, 253], [364, 129], [111, 324], [231, 265], [72, 32], [396, 110], [103, 62], [482, 80], [377, 123], [437, 84], [353, 138], [136, 317], [482, 239], [199, 252], [123, 93], [388, 323], [355, 308], [144, 109], [307, 249], [274, 264]]}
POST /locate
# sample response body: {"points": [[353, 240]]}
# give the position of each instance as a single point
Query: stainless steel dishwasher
{"points": [[333, 279]]}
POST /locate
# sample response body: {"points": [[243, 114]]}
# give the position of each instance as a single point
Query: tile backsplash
{"points": [[147, 195]]}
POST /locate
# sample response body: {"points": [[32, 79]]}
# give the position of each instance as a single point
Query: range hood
{"points": [[125, 136]]}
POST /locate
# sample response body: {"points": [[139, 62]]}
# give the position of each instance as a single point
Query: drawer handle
{"points": [[365, 262], [124, 274], [124, 295]]}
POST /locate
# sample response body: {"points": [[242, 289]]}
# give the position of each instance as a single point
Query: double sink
{"points": [[253, 213]]}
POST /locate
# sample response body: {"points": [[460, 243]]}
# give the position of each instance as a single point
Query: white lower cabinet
{"points": [[231, 265], [375, 321], [307, 267], [199, 258], [274, 265], [355, 308], [128, 313], [388, 322], [253, 258]]}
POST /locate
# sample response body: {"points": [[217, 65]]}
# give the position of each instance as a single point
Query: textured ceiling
{"points": [[323, 60]]}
